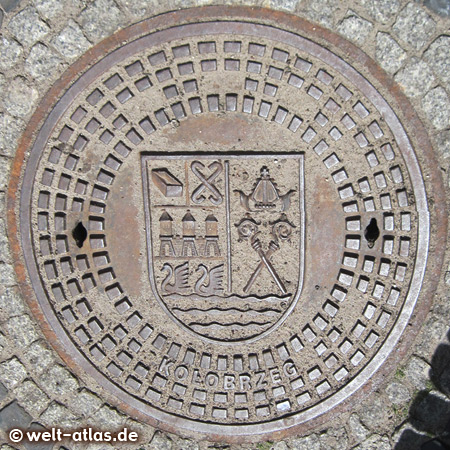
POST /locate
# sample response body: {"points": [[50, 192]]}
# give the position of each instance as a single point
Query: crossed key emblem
{"points": [[207, 183]]}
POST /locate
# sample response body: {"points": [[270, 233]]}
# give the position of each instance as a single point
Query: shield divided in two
{"points": [[225, 240]]}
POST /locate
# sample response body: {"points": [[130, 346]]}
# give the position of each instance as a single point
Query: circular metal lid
{"points": [[224, 221]]}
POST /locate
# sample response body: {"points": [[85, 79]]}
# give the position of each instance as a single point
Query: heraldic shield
{"points": [[225, 240]]}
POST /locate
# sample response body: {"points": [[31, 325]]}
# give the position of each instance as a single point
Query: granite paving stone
{"points": [[375, 442], [388, 53], [100, 18], [139, 8], [43, 63], [39, 357], [10, 129], [31, 398], [161, 442], [7, 275], [108, 418], [398, 393], [9, 5], [432, 412], [285, 5], [4, 174], [437, 56], [441, 7], [443, 143], [358, 431], [71, 42], [57, 415], [355, 28], [13, 416], [436, 105], [382, 11], [335, 438], [11, 302], [27, 27], [12, 372], [3, 392], [10, 53], [86, 403], [49, 8], [417, 372], [375, 413], [20, 97], [321, 11], [21, 330], [415, 77], [414, 25], [58, 381]]}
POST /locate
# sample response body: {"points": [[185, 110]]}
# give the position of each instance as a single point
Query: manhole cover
{"points": [[224, 222]]}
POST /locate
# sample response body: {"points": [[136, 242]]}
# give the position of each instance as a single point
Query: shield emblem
{"points": [[225, 240]]}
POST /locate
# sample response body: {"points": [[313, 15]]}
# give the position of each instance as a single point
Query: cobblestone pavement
{"points": [[40, 38]]}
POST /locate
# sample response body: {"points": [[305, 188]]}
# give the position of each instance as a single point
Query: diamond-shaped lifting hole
{"points": [[79, 234], [372, 233]]}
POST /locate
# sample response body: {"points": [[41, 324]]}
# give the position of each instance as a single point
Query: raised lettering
{"points": [[164, 368], [244, 381], [260, 382], [275, 374], [289, 369], [212, 379], [196, 378], [181, 373], [229, 382]]}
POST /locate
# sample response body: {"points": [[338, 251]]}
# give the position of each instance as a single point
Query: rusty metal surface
{"points": [[201, 177]]}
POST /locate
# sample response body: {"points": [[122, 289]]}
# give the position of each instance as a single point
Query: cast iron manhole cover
{"points": [[224, 222]]}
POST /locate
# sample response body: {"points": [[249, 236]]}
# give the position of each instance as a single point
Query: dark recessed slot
{"points": [[372, 233], [79, 234]]}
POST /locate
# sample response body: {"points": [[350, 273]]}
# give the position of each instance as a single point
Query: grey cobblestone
{"points": [[443, 143], [414, 25], [28, 27], [20, 97], [9, 5], [58, 381], [57, 415], [388, 53], [39, 356], [100, 19], [357, 429], [432, 413], [10, 129], [375, 442], [354, 27], [398, 393], [382, 10], [71, 42], [7, 276], [108, 418], [86, 403], [375, 413], [160, 442], [10, 53], [310, 442], [49, 8], [335, 438], [417, 372], [11, 302], [434, 330], [437, 56], [287, 5], [441, 7], [12, 372], [31, 398], [21, 330], [43, 63], [321, 11], [436, 105], [415, 78], [4, 174], [14, 415]]}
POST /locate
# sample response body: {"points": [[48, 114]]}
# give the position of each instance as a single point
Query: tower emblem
{"points": [[225, 240]]}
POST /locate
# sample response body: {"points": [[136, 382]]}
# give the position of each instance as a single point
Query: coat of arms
{"points": [[225, 239]]}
